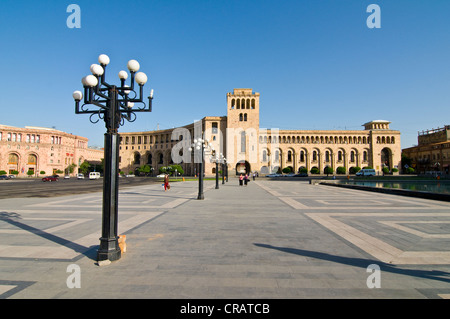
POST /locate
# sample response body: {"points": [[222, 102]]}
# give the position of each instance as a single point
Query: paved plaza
{"points": [[268, 240]]}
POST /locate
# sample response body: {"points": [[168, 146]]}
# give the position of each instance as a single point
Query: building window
{"points": [[32, 159], [13, 158]]}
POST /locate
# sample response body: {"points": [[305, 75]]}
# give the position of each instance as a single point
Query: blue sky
{"points": [[315, 63]]}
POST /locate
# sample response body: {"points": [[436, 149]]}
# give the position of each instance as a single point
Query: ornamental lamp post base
{"points": [[109, 249]]}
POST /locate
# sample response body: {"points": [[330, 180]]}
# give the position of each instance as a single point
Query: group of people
{"points": [[244, 179]]}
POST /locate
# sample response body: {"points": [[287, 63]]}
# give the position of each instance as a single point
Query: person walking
{"points": [[166, 182], [245, 179], [254, 175], [241, 178]]}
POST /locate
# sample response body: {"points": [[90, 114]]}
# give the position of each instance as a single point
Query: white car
{"points": [[161, 175], [80, 176], [94, 175]]}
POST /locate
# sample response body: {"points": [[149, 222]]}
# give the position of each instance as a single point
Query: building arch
{"points": [[386, 157], [136, 158], [243, 167]]}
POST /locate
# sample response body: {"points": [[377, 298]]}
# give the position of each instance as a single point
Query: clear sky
{"points": [[315, 63]]}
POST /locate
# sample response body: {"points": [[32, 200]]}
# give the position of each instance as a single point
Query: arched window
{"points": [[13, 158], [264, 157], [302, 156], [32, 159], [233, 103], [340, 156], [253, 103], [245, 117], [365, 156], [314, 157], [289, 156], [137, 158], [352, 156], [161, 158], [241, 118], [327, 156]]}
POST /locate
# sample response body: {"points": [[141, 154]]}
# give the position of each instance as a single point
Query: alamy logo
{"points": [[374, 20], [74, 279], [74, 19], [374, 279]]}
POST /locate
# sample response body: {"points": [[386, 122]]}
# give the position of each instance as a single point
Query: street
{"points": [[15, 188]]}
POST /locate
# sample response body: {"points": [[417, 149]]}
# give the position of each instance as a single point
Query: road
{"points": [[36, 188]]}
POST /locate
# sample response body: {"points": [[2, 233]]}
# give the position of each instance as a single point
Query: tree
{"points": [[340, 170], [84, 167], [328, 170], [145, 169]]}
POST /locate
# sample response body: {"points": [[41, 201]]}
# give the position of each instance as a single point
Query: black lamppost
{"points": [[113, 104], [218, 159], [199, 145], [223, 169]]}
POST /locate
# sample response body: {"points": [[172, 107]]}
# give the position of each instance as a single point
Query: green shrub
{"points": [[286, 170], [314, 170], [328, 170], [3, 172], [354, 169], [340, 170]]}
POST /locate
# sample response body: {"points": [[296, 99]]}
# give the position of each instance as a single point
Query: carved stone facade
{"points": [[249, 148]]}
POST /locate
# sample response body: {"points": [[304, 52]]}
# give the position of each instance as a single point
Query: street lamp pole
{"points": [[113, 104], [199, 145], [223, 170], [218, 159]]}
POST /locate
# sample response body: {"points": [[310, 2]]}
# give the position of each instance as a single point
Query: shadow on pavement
{"points": [[363, 263]]}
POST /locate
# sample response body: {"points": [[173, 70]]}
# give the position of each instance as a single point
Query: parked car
{"points": [[4, 177], [161, 175], [12, 176], [301, 175], [52, 178], [80, 176], [366, 172], [94, 175], [67, 177]]}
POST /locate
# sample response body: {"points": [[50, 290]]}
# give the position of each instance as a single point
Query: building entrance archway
{"points": [[243, 167]]}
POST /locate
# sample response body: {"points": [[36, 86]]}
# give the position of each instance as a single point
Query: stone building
{"points": [[37, 149], [432, 154], [250, 148]]}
